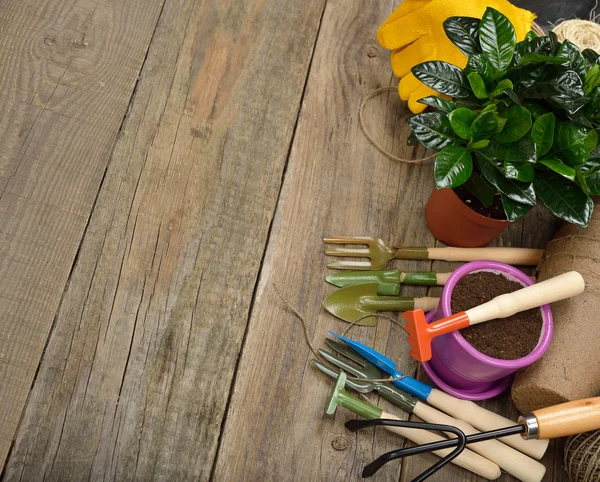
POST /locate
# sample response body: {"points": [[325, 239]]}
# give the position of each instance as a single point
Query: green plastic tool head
{"points": [[387, 279], [353, 302], [337, 394], [341, 397]]}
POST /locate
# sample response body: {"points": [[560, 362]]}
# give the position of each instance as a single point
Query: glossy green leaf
{"points": [[590, 55], [573, 143], [433, 130], [566, 90], [412, 140], [522, 171], [481, 189], [577, 62], [560, 168], [581, 182], [538, 45], [554, 42], [542, 133], [493, 171], [521, 151], [461, 120], [438, 103], [443, 77], [513, 209], [501, 87], [593, 181], [563, 198], [453, 166], [593, 107], [512, 95], [580, 119], [590, 175], [479, 144], [531, 35], [464, 33], [480, 64], [518, 123], [544, 59], [497, 39], [484, 125], [501, 124], [477, 85], [537, 110], [525, 75], [591, 79]]}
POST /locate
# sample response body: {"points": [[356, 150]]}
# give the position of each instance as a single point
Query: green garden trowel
{"points": [[388, 280], [353, 302]]}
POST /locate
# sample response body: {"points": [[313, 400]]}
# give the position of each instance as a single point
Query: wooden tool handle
{"points": [[553, 289], [441, 278], [484, 420], [512, 461], [568, 418], [467, 459], [426, 303], [517, 256]]}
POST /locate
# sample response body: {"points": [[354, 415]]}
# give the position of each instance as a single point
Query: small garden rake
{"points": [[420, 333]]}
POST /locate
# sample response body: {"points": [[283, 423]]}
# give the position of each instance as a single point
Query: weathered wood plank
{"points": [[136, 375], [67, 73], [336, 183]]}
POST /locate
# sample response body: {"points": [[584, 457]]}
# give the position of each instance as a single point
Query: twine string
{"points": [[314, 351], [373, 141], [582, 457]]}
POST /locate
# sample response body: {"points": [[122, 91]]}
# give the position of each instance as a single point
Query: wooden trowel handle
{"points": [[554, 289], [516, 256], [567, 418]]}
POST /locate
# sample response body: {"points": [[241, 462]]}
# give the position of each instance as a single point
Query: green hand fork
{"points": [[379, 254]]}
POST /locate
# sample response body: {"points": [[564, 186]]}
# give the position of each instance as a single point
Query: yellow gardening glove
{"points": [[415, 33]]}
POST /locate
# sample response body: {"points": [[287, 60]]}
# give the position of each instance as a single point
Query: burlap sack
{"points": [[570, 369]]}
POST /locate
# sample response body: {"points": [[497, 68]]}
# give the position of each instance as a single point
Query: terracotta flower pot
{"points": [[453, 222]]}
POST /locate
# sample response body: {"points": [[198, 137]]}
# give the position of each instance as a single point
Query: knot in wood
{"points": [[339, 443], [371, 52]]}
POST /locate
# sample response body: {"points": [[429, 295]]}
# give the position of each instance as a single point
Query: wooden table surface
{"points": [[166, 168]]}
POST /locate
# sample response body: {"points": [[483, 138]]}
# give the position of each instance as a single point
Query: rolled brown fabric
{"points": [[570, 369]]}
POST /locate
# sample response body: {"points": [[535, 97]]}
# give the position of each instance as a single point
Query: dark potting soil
{"points": [[494, 211], [504, 338]]}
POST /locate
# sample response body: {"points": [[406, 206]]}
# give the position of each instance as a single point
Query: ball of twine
{"points": [[583, 33], [582, 457]]}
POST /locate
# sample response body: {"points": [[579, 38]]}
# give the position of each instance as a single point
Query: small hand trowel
{"points": [[389, 280], [353, 302]]}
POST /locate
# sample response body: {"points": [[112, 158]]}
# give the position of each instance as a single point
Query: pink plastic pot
{"points": [[461, 370]]}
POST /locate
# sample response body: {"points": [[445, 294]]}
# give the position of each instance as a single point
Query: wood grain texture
{"points": [[336, 183], [67, 73], [136, 375]]}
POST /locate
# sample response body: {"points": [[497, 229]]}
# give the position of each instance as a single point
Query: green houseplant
{"points": [[516, 126]]}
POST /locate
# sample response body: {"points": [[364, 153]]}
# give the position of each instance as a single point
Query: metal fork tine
{"points": [[346, 351], [348, 240], [340, 363], [350, 252], [358, 265], [353, 384]]}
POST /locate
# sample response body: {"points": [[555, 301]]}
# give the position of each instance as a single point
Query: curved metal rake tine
{"points": [[373, 467]]}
